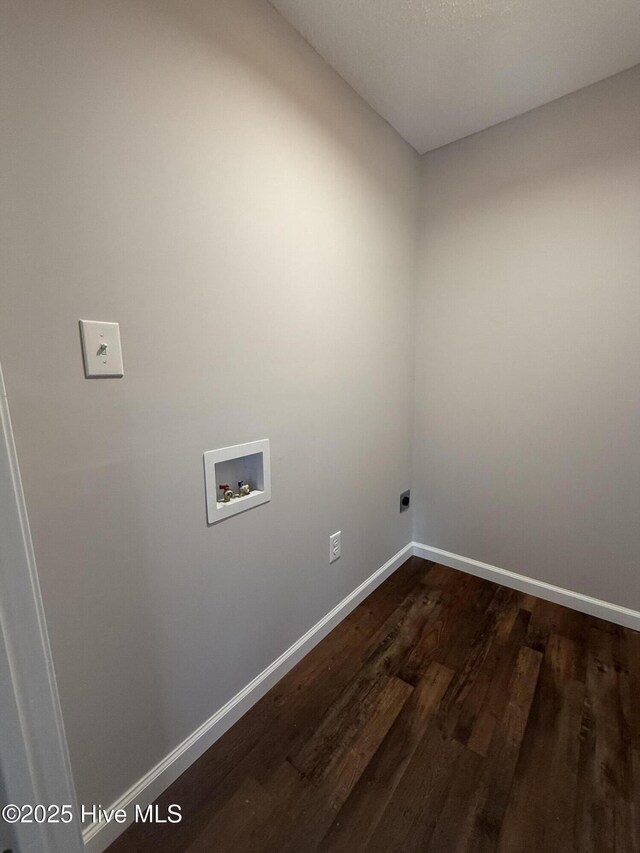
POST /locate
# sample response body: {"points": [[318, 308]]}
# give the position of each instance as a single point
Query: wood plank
{"points": [[347, 770], [479, 832], [309, 811], [527, 602], [478, 612], [483, 707], [412, 812], [548, 618], [239, 823], [358, 818], [541, 810], [482, 635], [456, 602], [349, 712], [605, 797], [632, 648]]}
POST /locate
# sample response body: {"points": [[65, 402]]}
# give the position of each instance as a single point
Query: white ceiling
{"points": [[438, 70]]}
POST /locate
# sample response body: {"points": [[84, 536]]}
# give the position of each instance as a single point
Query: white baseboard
{"points": [[98, 836], [575, 600]]}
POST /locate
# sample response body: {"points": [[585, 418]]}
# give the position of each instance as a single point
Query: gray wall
{"points": [[527, 436], [197, 173]]}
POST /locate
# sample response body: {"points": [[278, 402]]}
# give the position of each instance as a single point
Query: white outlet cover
{"points": [[335, 546], [101, 349]]}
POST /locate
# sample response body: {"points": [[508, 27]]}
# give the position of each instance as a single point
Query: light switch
{"points": [[101, 349]]}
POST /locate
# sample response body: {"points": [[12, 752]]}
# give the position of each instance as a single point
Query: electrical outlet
{"points": [[335, 546]]}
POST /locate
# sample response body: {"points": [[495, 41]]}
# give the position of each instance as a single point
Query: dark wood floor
{"points": [[444, 714]]}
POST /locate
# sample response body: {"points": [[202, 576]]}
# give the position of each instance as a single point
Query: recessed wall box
{"points": [[229, 466]]}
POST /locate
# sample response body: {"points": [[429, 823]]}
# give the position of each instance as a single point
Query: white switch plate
{"points": [[101, 349], [335, 546]]}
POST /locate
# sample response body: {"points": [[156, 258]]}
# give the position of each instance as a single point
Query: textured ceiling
{"points": [[438, 70]]}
